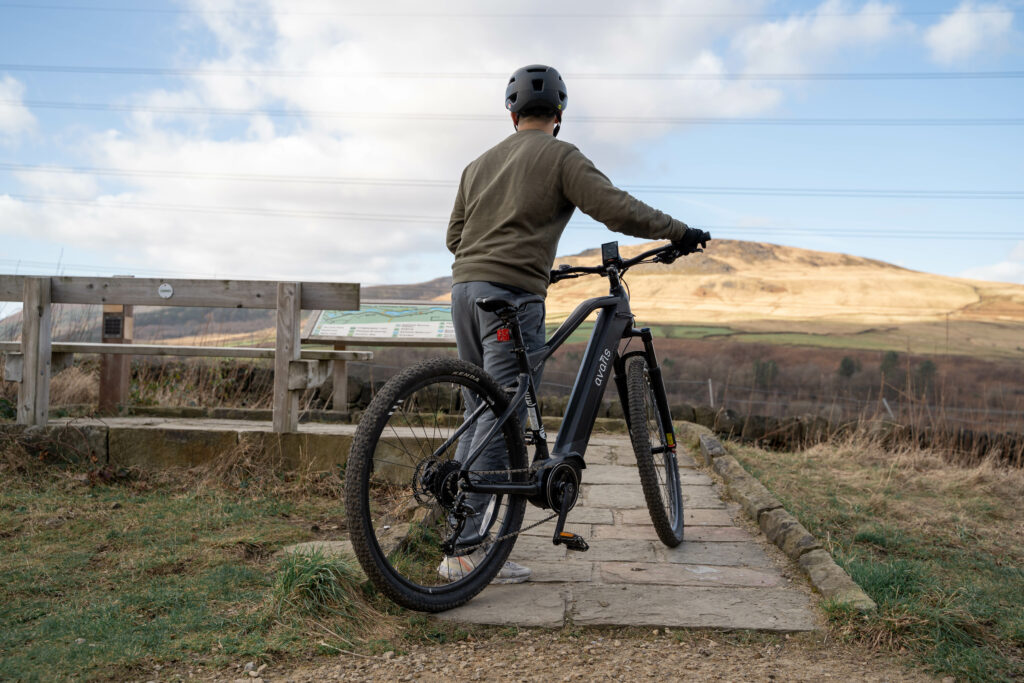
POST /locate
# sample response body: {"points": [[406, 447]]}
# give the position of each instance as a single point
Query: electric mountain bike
{"points": [[412, 493]]}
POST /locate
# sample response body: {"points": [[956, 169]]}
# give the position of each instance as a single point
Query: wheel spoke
{"points": [[408, 500]]}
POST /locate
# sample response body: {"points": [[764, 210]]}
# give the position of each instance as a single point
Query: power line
{"points": [[658, 76], [246, 177], [418, 182], [490, 118], [238, 210], [484, 15], [865, 232]]}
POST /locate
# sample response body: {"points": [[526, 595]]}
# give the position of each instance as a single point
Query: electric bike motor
{"points": [[558, 477]]}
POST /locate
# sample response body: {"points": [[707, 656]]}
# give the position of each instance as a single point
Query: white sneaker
{"points": [[455, 568]]}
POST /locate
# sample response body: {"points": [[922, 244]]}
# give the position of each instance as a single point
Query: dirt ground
{"points": [[605, 656]]}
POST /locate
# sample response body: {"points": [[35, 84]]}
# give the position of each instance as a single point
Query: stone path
{"points": [[720, 577]]}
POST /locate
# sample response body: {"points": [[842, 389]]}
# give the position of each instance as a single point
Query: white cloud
{"points": [[1009, 270], [312, 240], [801, 43], [64, 183], [969, 30], [15, 118]]}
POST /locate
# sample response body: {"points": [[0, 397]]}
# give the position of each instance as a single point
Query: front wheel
{"points": [[421, 539], [656, 461]]}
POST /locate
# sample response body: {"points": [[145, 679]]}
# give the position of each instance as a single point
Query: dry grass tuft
{"points": [[256, 465], [75, 385], [15, 457], [928, 469]]}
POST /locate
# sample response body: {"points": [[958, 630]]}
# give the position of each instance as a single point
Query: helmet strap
{"points": [[558, 125]]}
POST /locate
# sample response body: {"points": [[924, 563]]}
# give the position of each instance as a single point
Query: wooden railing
{"points": [[31, 362]]}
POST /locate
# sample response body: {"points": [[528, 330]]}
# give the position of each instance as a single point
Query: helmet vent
{"points": [[538, 85], [537, 70]]}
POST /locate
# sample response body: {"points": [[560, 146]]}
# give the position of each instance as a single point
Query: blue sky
{"points": [[225, 142]]}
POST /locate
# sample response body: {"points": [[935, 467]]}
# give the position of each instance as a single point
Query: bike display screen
{"points": [[609, 253]]}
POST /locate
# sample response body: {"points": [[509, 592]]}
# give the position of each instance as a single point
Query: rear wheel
{"points": [[659, 471], [406, 510]]}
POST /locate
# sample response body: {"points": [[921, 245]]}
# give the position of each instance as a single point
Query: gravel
{"points": [[536, 655]]}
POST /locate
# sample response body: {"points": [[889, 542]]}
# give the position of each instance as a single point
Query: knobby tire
{"points": [[659, 472], [377, 433]]}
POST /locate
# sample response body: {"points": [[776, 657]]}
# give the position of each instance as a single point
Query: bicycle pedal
{"points": [[571, 541]]}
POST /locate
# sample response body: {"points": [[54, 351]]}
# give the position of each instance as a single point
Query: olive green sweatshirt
{"points": [[515, 200]]}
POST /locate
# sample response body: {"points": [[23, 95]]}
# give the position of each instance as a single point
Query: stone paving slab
{"points": [[621, 474], [769, 609], [626, 457], [647, 532], [579, 515], [524, 604], [691, 517], [748, 554], [531, 548], [624, 496], [686, 575], [562, 572], [716, 534], [634, 550]]}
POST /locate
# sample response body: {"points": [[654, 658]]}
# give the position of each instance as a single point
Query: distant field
{"points": [[992, 340], [582, 333], [961, 338]]}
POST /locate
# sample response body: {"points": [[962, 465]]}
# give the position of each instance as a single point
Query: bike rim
{"points": [[409, 514]]}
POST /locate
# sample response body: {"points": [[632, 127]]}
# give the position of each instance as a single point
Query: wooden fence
{"points": [[31, 361]]}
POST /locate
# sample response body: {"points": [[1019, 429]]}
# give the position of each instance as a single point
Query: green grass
{"points": [[829, 341], [110, 580], [938, 548], [582, 333]]}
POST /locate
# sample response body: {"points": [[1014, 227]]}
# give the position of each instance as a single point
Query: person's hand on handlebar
{"points": [[691, 240]]}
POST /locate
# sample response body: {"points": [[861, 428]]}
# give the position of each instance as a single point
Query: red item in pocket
{"points": [[504, 334]]}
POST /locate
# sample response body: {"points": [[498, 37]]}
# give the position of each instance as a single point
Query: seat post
{"points": [[518, 343]]}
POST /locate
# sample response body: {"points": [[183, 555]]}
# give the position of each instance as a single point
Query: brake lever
{"points": [[666, 257]]}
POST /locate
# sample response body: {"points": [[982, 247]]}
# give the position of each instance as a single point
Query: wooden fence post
{"points": [[340, 395], [287, 349], [115, 370], [36, 316]]}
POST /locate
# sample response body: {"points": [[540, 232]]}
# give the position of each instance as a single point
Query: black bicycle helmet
{"points": [[536, 85]]}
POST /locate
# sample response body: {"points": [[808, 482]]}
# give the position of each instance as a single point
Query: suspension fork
{"points": [[657, 382]]}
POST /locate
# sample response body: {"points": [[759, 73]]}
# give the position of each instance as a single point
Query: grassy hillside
{"points": [[742, 282]]}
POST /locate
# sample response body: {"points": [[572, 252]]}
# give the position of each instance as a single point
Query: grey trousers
{"points": [[476, 334]]}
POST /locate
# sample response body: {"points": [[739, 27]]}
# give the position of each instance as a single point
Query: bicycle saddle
{"points": [[493, 304]]}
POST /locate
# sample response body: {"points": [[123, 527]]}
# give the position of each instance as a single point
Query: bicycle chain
{"points": [[507, 536]]}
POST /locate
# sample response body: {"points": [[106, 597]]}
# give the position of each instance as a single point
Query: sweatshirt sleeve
{"points": [[593, 194], [457, 220]]}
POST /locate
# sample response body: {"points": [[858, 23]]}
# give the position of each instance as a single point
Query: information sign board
{"points": [[411, 323]]}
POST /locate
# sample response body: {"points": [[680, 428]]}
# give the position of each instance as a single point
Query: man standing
{"points": [[512, 205]]}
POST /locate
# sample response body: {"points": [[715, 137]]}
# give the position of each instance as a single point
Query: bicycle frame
{"points": [[600, 363]]}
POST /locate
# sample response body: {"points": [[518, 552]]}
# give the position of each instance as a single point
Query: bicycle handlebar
{"points": [[664, 254]]}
